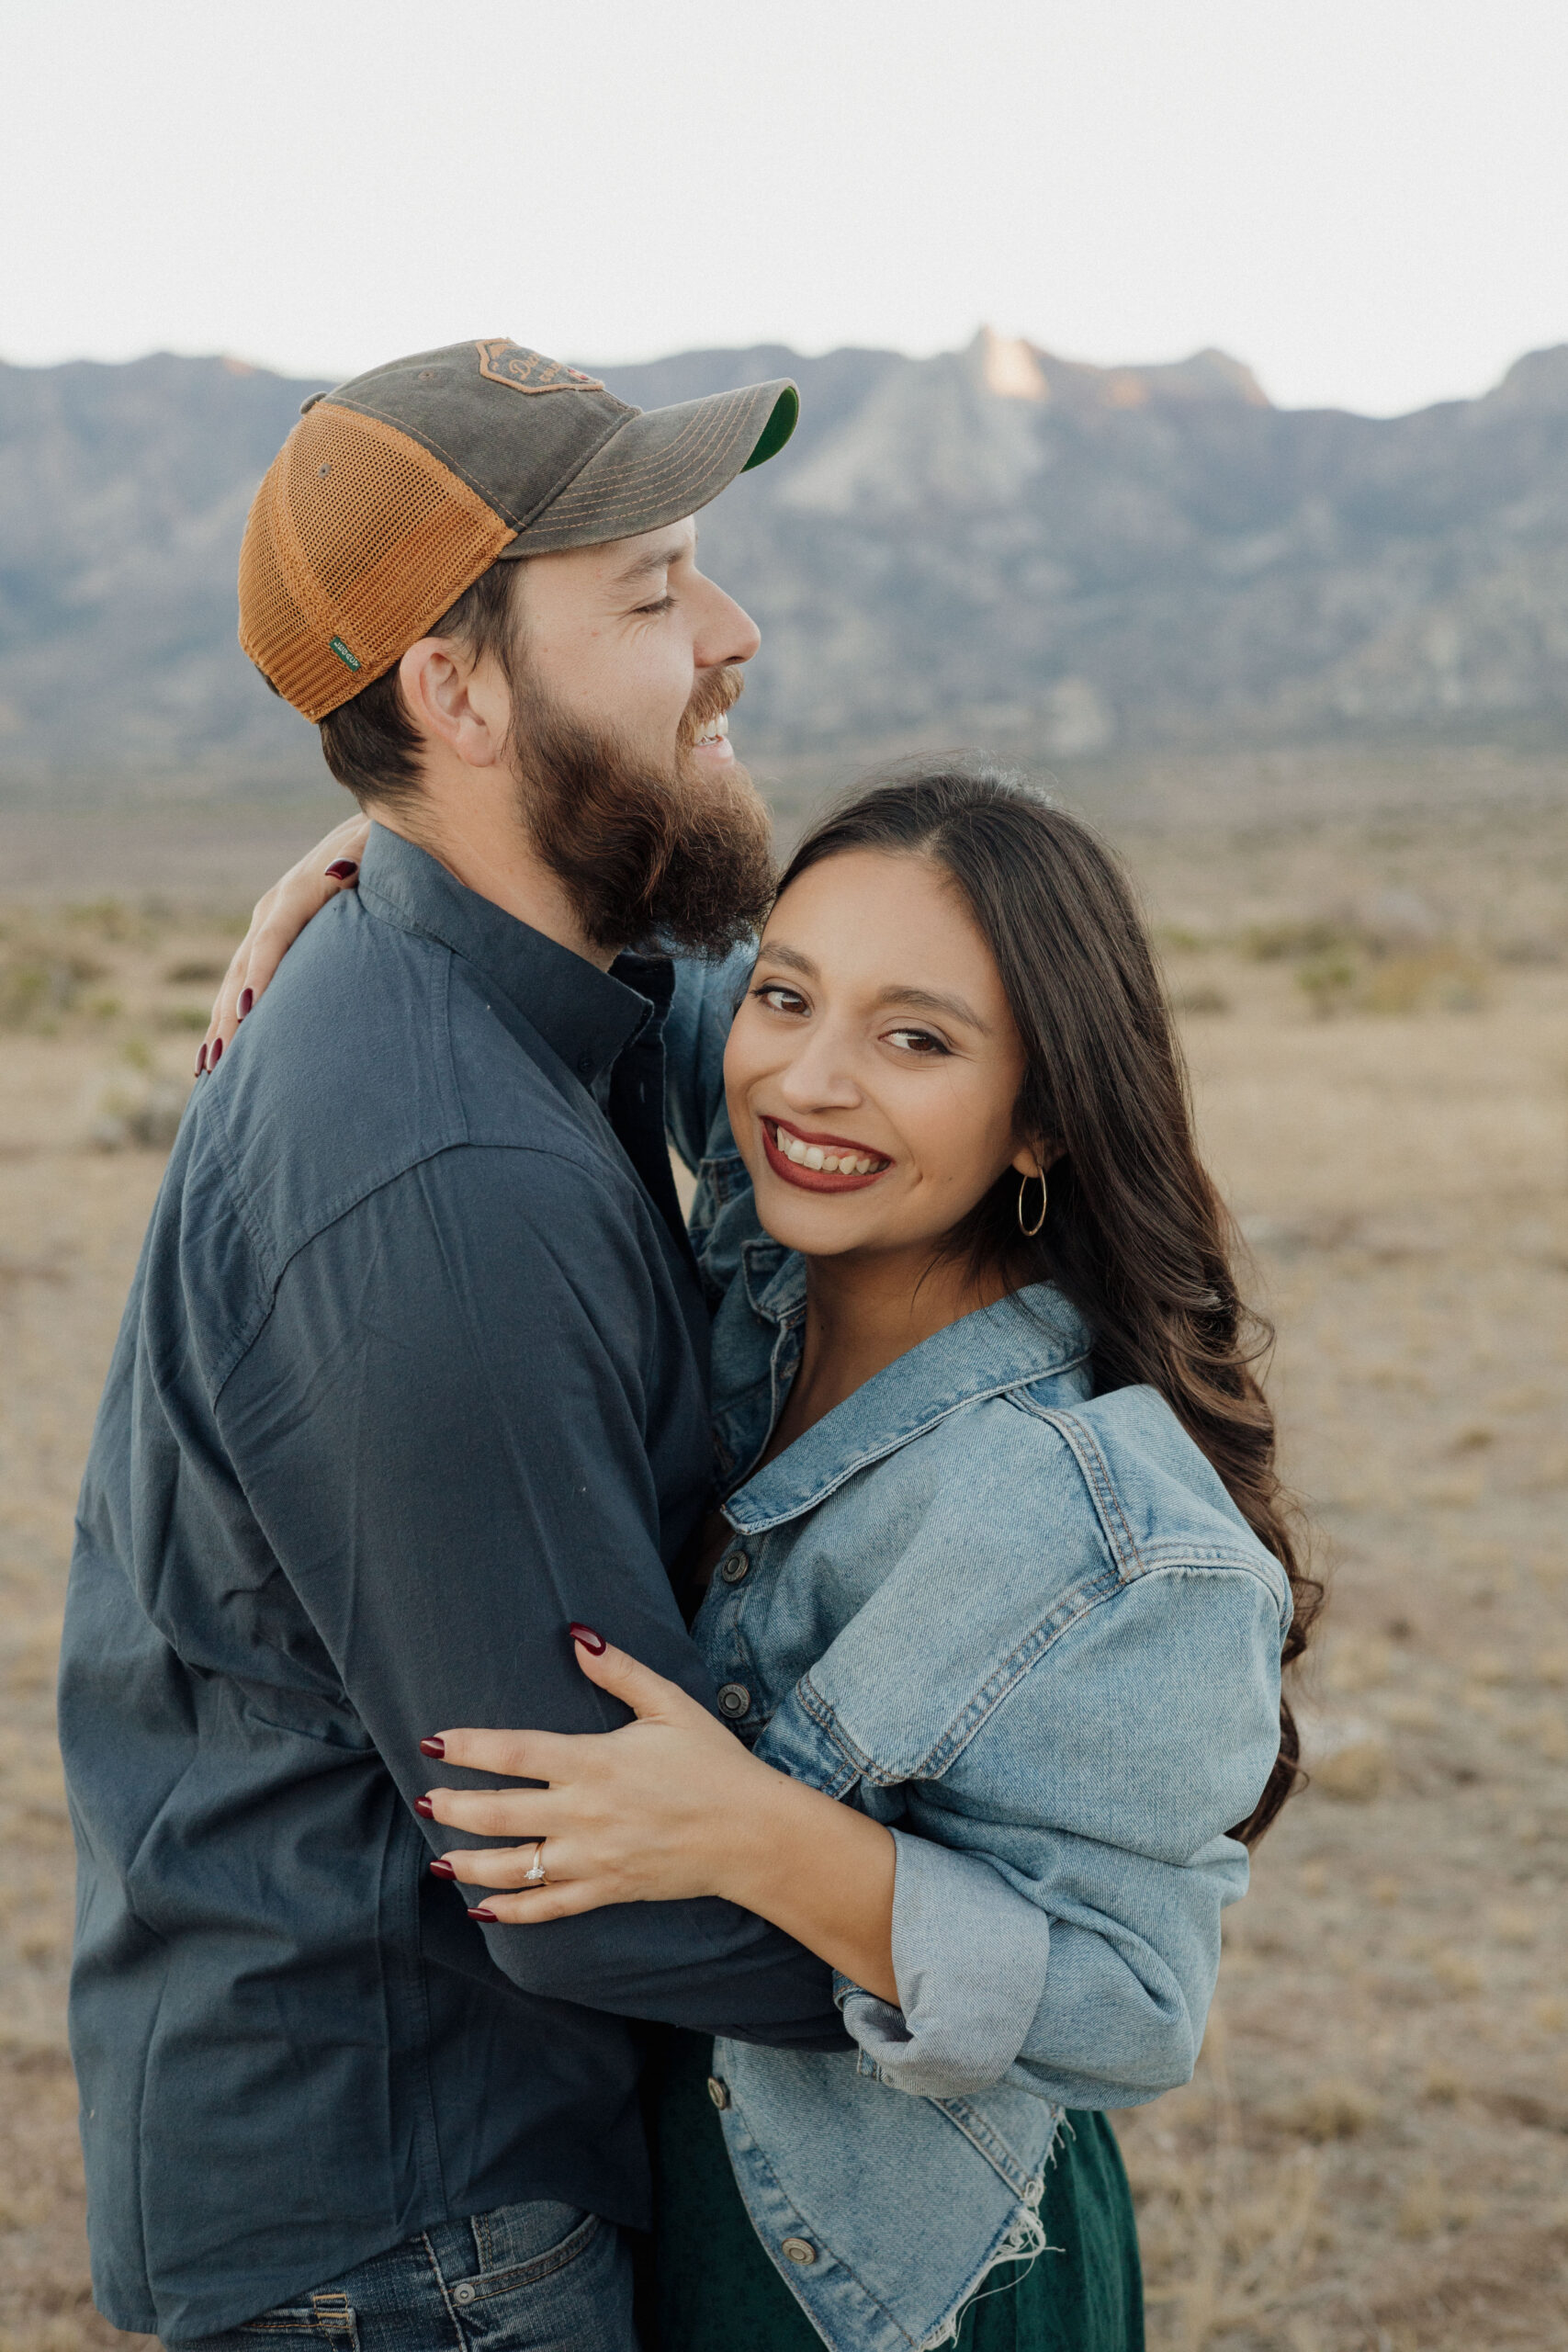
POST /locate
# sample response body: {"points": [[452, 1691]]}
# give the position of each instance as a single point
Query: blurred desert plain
{"points": [[1371, 960]]}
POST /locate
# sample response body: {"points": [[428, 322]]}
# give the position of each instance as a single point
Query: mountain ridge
{"points": [[994, 543]]}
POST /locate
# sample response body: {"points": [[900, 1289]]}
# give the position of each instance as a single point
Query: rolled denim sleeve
{"points": [[1057, 1900], [970, 1957]]}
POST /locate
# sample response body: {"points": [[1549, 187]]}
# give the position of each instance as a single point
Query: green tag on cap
{"points": [[349, 660]]}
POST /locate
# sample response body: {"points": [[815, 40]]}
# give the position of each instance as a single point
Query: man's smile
{"points": [[713, 744]]}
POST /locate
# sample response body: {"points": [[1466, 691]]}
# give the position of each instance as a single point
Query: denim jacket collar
{"points": [[586, 1016], [775, 1280], [1033, 1335]]}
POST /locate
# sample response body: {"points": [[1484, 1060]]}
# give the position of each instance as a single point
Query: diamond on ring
{"points": [[535, 1873]]}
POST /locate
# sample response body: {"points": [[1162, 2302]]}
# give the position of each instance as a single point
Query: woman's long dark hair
{"points": [[1135, 1233]]}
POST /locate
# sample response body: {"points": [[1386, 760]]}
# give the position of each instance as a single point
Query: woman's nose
{"points": [[821, 1073]]}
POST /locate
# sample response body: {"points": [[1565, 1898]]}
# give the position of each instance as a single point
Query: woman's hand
{"points": [[278, 917], [669, 1808], [658, 1811]]}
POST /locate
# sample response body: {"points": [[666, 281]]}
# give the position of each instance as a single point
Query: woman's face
{"points": [[873, 1065]]}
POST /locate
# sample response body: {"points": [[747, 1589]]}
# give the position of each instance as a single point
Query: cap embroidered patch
{"points": [[505, 362], [339, 647]]}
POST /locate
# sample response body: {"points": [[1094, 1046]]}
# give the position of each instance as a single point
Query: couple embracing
{"points": [[641, 1780]]}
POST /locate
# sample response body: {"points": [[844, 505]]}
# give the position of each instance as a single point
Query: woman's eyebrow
{"points": [[772, 953], [927, 1000], [934, 1000]]}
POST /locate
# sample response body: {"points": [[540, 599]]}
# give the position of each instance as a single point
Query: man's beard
{"points": [[682, 859]]}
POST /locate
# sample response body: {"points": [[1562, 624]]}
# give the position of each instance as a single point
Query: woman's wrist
{"points": [[821, 1871], [767, 1838]]}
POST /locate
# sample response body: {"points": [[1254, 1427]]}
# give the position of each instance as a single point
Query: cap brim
{"points": [[664, 465]]}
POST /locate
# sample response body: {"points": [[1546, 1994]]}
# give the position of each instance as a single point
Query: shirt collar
{"points": [[586, 1016], [1030, 1335]]}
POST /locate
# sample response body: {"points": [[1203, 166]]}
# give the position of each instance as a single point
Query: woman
{"points": [[995, 1601]]}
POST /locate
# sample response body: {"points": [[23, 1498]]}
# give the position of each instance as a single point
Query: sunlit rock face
{"points": [[995, 544]]}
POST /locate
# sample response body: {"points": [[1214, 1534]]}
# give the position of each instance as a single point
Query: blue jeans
{"points": [[534, 2277]]}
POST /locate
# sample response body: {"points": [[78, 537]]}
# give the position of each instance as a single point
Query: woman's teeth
{"points": [[716, 730], [828, 1163]]}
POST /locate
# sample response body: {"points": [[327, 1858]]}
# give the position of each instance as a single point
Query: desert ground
{"points": [[1370, 962]]}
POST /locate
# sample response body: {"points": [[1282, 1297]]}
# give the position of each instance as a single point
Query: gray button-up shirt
{"points": [[411, 1375]]}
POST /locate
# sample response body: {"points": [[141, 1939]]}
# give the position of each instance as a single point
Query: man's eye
{"points": [[778, 999], [665, 604], [918, 1041]]}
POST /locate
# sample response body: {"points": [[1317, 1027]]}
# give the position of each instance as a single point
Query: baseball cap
{"points": [[395, 492]]}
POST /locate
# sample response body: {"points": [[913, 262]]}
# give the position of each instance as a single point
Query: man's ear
{"points": [[452, 700]]}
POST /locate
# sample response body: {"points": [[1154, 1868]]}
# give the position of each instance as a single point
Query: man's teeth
{"points": [[716, 730], [829, 1163]]}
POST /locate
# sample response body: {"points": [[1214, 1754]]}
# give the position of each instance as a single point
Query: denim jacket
{"points": [[1026, 1627]]}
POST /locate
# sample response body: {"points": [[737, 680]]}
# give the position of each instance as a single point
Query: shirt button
{"points": [[734, 1698], [718, 2091], [735, 1568], [799, 2250], [464, 2294]]}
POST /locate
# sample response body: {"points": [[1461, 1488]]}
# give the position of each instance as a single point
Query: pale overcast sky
{"points": [[1363, 199]]}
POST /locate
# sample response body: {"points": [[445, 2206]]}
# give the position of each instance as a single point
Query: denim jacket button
{"points": [[734, 1568], [464, 2294], [718, 2091], [799, 2250], [734, 1698]]}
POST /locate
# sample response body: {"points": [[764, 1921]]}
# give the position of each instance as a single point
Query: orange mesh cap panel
{"points": [[359, 539]]}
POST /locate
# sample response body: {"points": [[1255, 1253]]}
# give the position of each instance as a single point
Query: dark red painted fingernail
{"points": [[216, 1056], [247, 998], [441, 1868], [482, 1911], [425, 1809], [201, 1057], [343, 869], [436, 1747], [594, 1644]]}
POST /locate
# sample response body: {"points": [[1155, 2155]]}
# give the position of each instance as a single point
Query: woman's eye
{"points": [[778, 999], [917, 1041]]}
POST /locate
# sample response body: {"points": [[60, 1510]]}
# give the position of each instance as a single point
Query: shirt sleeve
{"points": [[444, 1430], [696, 1030], [1056, 1909]]}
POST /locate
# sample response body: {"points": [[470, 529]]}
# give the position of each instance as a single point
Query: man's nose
{"points": [[726, 633]]}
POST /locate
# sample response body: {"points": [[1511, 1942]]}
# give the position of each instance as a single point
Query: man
{"points": [[412, 1379]]}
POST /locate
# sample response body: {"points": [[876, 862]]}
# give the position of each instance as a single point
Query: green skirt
{"points": [[715, 2289]]}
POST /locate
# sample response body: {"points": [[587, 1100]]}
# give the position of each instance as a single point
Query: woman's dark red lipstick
{"points": [[820, 1180]]}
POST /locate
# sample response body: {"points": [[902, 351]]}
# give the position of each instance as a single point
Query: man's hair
{"points": [[371, 744]]}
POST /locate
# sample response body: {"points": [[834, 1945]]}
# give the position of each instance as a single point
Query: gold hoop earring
{"points": [[1029, 1231]]}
